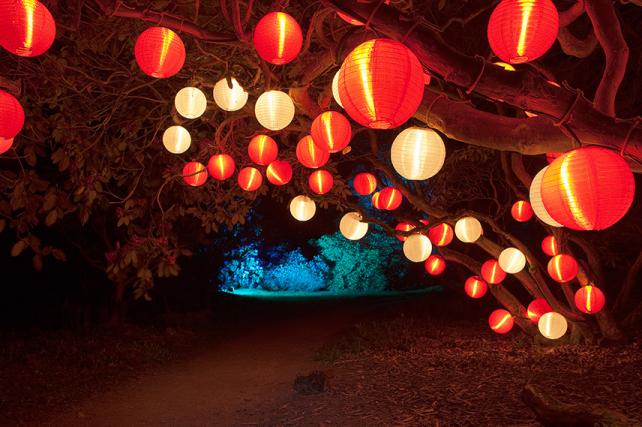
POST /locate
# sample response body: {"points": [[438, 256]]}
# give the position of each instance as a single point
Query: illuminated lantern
{"points": [[311, 155], [390, 198], [351, 226], [522, 30], [376, 203], [278, 38], [417, 153], [505, 66], [321, 181], [176, 139], [562, 268], [550, 246], [501, 321], [230, 98], [190, 102], [521, 211], [335, 88], [552, 325], [262, 150], [12, 116], [349, 20], [331, 131], [302, 208], [5, 144], [535, 194], [250, 179], [512, 260], [441, 235], [159, 52], [381, 84], [403, 226], [279, 172], [221, 166], [589, 188], [589, 299], [364, 183], [194, 174], [27, 29], [475, 287], [435, 265], [550, 157], [274, 110], [417, 248], [468, 229], [537, 308], [492, 272]]}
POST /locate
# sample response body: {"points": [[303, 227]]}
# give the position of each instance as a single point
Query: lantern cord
{"points": [[627, 138], [410, 30], [180, 28], [565, 117], [160, 20], [479, 76], [372, 14], [434, 101]]}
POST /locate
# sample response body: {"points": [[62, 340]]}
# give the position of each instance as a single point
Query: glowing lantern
{"points": [[12, 116], [27, 29], [364, 183], [501, 321], [403, 226], [278, 38], [492, 272], [390, 198], [311, 155], [589, 188], [537, 308], [335, 88], [351, 226], [441, 235], [190, 102], [331, 131], [417, 248], [194, 174], [535, 194], [376, 203], [522, 30], [552, 325], [468, 229], [521, 211], [505, 66], [589, 299], [262, 150], [512, 260], [381, 84], [5, 144], [475, 287], [274, 110], [302, 208], [279, 172], [435, 265], [321, 181], [221, 166], [417, 153], [550, 246], [159, 52], [562, 268], [176, 139], [250, 179], [550, 157], [230, 98]]}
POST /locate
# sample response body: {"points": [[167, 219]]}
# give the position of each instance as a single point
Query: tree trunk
{"points": [[119, 307]]}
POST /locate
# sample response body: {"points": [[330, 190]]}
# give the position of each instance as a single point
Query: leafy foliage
{"points": [[296, 273]]}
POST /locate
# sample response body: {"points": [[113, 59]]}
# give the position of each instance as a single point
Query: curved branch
{"points": [[569, 16], [579, 48]]}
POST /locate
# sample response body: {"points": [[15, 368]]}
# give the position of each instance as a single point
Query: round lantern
{"points": [[221, 166], [441, 235], [589, 299], [176, 139], [351, 226], [512, 260], [27, 29], [194, 174], [417, 153], [475, 287], [390, 198], [250, 179], [505, 66], [376, 203], [274, 110], [537, 308], [417, 248], [492, 272], [562, 268], [302, 208], [190, 102], [550, 157], [550, 246], [468, 229], [403, 226], [552, 325], [5, 144], [589, 188], [321, 181], [335, 89], [521, 211], [331, 131], [262, 150], [310, 154], [364, 183], [535, 194], [435, 265], [159, 52], [501, 321], [381, 84], [279, 172], [230, 98], [12, 116], [521, 31], [278, 38]]}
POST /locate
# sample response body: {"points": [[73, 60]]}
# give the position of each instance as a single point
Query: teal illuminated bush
{"points": [[242, 269], [296, 273]]}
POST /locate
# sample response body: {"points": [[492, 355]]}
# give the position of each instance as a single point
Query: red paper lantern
{"points": [[441, 235], [522, 211], [159, 52], [221, 166], [310, 154], [562, 268], [12, 116], [5, 144], [381, 84], [492, 272], [589, 188], [278, 38], [537, 308], [501, 321], [321, 181], [194, 174], [376, 202], [27, 29], [250, 179], [550, 246], [521, 31], [403, 226], [262, 150], [589, 299], [550, 157], [390, 198], [475, 287], [435, 265], [279, 172], [332, 131], [364, 183]]}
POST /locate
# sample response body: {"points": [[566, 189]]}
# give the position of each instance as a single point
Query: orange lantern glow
{"points": [[589, 299], [221, 166], [12, 116], [550, 157], [376, 201], [435, 265], [250, 179], [194, 174], [381, 84], [475, 287], [562, 268], [321, 181], [537, 308], [159, 52], [331, 131], [522, 211], [550, 246], [310, 154], [27, 29], [5, 144], [278, 38], [441, 235], [390, 198], [403, 226], [364, 183], [262, 150], [492, 272], [501, 321], [279, 172]]}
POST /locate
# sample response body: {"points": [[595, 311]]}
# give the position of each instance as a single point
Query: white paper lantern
{"points": [[351, 226], [552, 325], [468, 229], [274, 110], [190, 102], [302, 208], [512, 260], [418, 153], [230, 99], [417, 247], [535, 194], [176, 139], [335, 89]]}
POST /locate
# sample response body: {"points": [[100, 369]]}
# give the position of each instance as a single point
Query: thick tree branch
{"points": [[579, 48], [568, 16]]}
